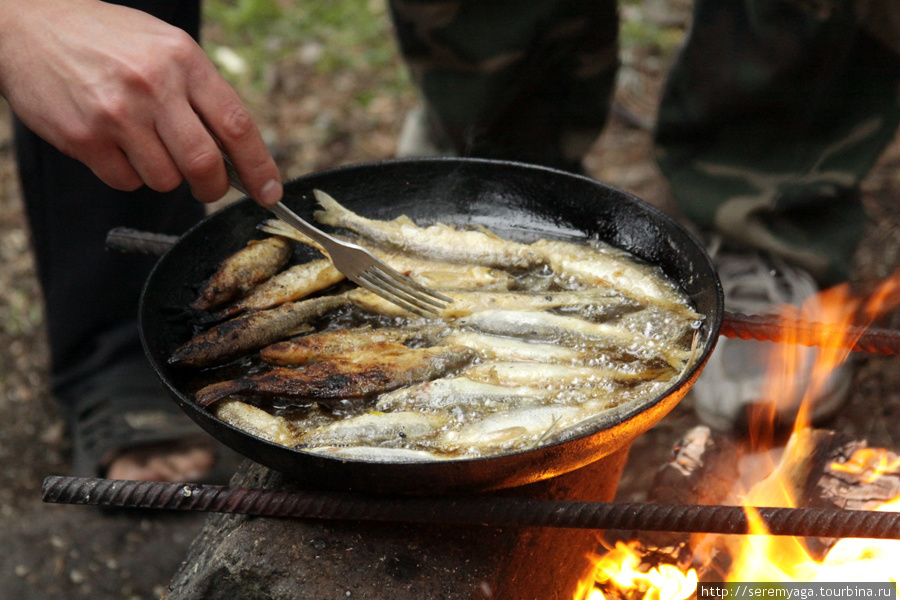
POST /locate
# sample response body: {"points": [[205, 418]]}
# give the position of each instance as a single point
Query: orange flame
{"points": [[761, 557], [843, 312], [621, 569], [784, 559]]}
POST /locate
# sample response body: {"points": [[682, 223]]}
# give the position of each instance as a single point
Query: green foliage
{"points": [[649, 35], [345, 34], [244, 14]]}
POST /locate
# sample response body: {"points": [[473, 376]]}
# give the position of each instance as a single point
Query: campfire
{"points": [[815, 468]]}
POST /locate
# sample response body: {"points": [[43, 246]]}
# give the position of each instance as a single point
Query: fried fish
{"points": [[256, 421], [290, 285], [246, 333], [316, 347], [540, 325], [432, 274], [602, 265], [243, 270], [376, 369], [368, 429], [466, 303], [438, 242]]}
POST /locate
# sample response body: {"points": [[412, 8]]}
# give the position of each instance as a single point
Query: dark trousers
{"points": [[90, 294], [771, 116]]}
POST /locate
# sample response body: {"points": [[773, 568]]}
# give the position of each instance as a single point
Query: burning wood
{"points": [[816, 468]]}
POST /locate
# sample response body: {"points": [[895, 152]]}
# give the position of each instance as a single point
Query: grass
{"points": [[331, 36], [350, 34]]}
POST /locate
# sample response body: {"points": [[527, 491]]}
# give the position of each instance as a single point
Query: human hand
{"points": [[133, 98]]}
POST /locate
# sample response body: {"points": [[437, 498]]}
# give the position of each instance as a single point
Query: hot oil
{"points": [[557, 408], [592, 395]]}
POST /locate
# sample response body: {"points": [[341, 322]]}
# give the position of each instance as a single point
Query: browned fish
{"points": [[290, 285], [243, 270], [372, 370], [232, 339], [325, 345]]}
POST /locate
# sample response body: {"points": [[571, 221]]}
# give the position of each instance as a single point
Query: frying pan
{"points": [[517, 201]]}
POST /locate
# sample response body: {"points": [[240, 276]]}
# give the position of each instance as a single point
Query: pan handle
{"points": [[125, 239]]}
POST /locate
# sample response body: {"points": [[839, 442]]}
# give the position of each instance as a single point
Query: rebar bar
{"points": [[485, 510], [808, 333]]}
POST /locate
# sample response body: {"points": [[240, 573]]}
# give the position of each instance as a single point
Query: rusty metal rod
{"points": [[485, 510], [125, 239], [809, 333]]}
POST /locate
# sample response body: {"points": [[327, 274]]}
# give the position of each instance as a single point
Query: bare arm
{"points": [[130, 96]]}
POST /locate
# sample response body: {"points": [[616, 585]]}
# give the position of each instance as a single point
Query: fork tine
{"points": [[402, 283], [392, 294], [410, 285]]}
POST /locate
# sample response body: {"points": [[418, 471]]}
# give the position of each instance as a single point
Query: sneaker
{"points": [[736, 380]]}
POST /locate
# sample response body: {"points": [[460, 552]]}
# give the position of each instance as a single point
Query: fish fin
{"points": [[404, 220], [332, 210], [282, 229], [489, 233], [547, 432]]}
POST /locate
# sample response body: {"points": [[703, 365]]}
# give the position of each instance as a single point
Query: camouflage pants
{"points": [[771, 115]]}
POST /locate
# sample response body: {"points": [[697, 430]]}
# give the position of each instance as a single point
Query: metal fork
{"points": [[356, 263]]}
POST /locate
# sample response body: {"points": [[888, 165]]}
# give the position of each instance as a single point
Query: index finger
{"points": [[231, 123]]}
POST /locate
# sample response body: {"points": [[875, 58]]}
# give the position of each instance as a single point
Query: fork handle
{"points": [[281, 211], [300, 224]]}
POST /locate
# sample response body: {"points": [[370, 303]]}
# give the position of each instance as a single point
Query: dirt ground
{"points": [[56, 552]]}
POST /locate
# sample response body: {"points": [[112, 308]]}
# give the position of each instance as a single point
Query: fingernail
{"points": [[271, 192]]}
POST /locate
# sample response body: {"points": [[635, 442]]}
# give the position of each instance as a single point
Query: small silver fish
{"points": [[539, 325], [451, 392], [256, 421], [374, 454], [603, 265], [438, 242], [556, 376], [434, 274], [466, 303], [376, 428], [514, 429], [496, 347]]}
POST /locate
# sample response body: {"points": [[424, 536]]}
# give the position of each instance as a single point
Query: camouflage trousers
{"points": [[771, 115]]}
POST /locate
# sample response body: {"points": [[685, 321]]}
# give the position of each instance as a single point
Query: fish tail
{"points": [[332, 213], [219, 391]]}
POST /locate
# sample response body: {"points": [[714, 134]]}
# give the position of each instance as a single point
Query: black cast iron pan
{"points": [[517, 201]]}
